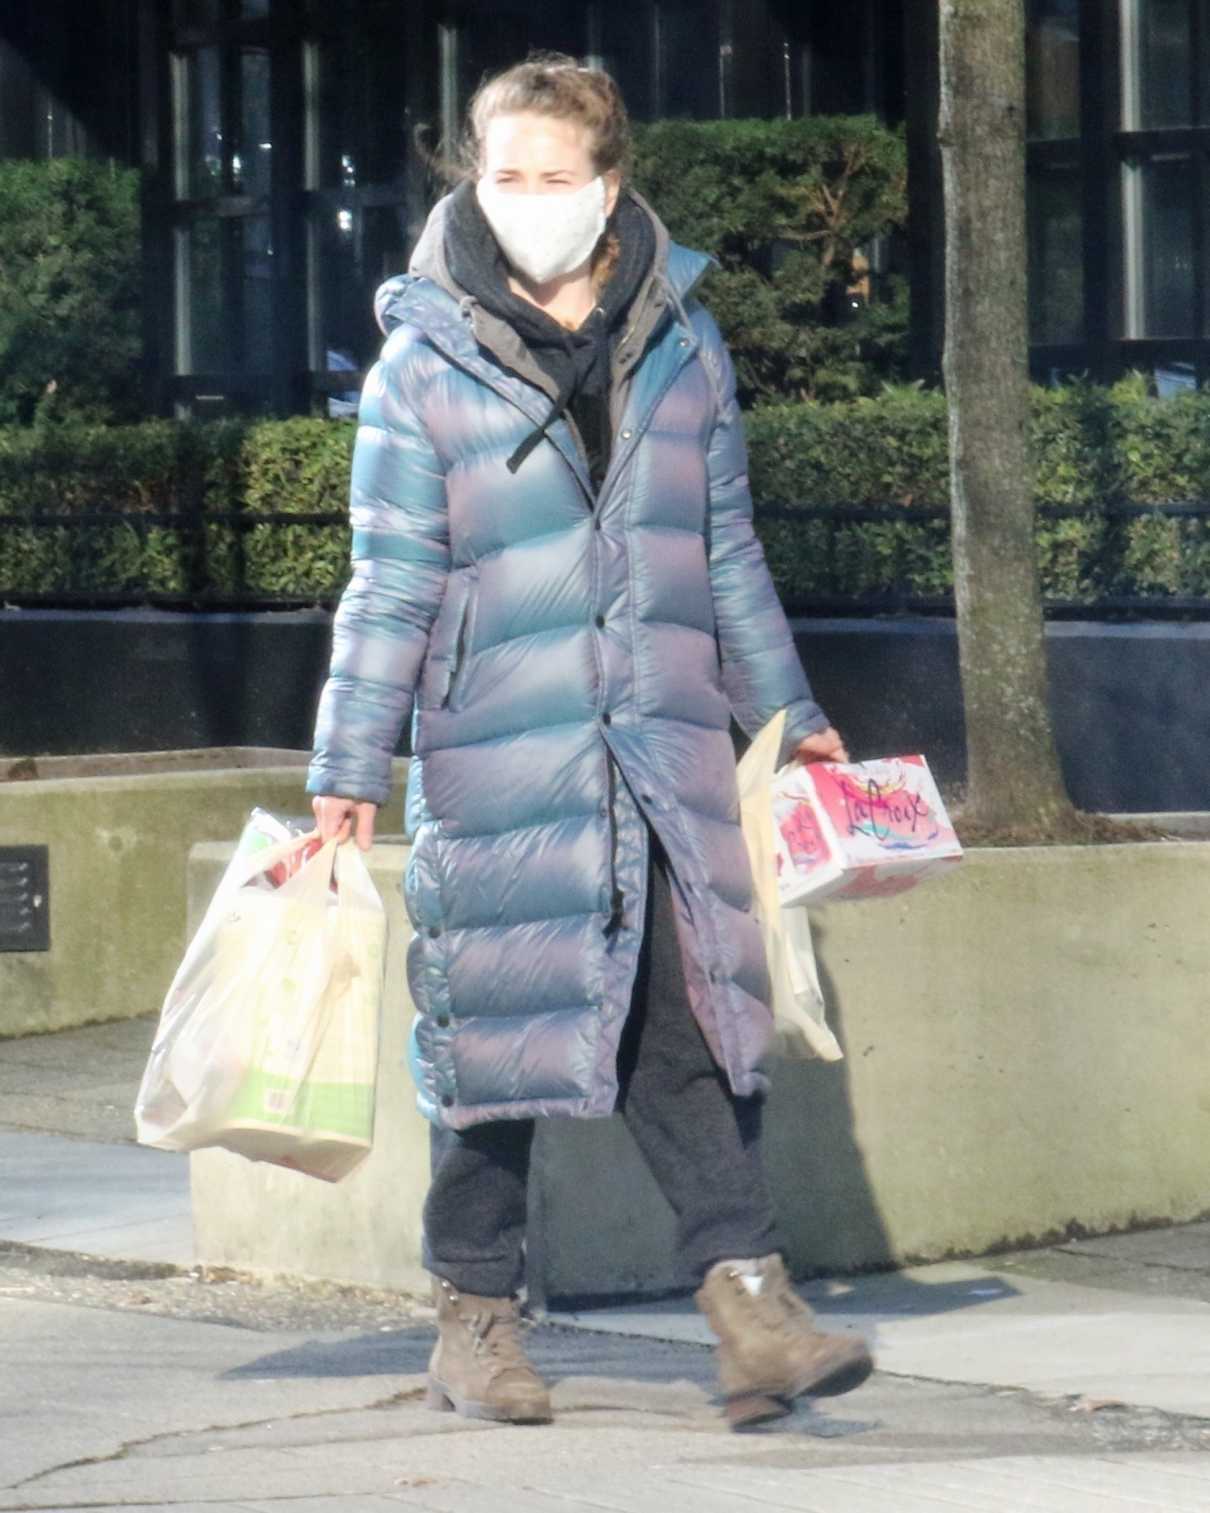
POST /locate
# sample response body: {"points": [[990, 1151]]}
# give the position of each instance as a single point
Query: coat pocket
{"points": [[460, 652], [439, 662]]}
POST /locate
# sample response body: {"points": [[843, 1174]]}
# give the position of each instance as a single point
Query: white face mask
{"points": [[545, 235]]}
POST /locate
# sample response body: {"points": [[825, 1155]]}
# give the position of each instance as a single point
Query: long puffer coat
{"points": [[570, 664]]}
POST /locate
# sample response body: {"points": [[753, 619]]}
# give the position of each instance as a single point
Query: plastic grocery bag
{"points": [[799, 1012], [268, 1038]]}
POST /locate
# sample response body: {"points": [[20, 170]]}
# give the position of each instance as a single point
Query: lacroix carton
{"points": [[858, 829]]}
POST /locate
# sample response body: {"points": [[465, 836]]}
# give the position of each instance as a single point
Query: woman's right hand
{"points": [[339, 818]]}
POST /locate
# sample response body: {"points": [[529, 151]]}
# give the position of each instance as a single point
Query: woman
{"points": [[556, 577]]}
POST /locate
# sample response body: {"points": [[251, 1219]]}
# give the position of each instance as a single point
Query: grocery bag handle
{"points": [[353, 880], [256, 862], [338, 861]]}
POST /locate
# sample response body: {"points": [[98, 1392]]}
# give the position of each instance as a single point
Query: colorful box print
{"points": [[859, 830]]}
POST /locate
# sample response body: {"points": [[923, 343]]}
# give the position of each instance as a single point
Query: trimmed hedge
{"points": [[1093, 448], [172, 485]]}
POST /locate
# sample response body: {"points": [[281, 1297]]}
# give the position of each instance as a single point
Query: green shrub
{"points": [[73, 467], [785, 207], [193, 474], [298, 466], [1092, 448], [891, 450], [70, 337], [172, 485]]}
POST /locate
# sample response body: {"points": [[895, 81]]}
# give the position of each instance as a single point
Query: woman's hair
{"points": [[547, 84], [553, 84]]}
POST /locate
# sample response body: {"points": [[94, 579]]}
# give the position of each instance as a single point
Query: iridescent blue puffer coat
{"points": [[570, 664]]}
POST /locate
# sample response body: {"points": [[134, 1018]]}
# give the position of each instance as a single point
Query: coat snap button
{"points": [[600, 622], [434, 931], [446, 1101], [684, 342], [443, 1021], [626, 435], [606, 718]]}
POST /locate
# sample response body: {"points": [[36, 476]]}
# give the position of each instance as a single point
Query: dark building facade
{"points": [[285, 180], [1118, 127], [69, 79], [282, 180]]}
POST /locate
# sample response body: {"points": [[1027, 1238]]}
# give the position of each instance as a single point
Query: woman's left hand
{"points": [[823, 746]]}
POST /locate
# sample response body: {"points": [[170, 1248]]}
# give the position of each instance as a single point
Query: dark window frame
{"points": [[287, 384], [1144, 145], [1102, 146], [278, 387], [287, 381], [407, 193]]}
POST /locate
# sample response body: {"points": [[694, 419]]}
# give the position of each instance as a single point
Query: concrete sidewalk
{"points": [[71, 1177], [1070, 1378]]}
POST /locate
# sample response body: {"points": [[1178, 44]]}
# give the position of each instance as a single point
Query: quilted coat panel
{"points": [[570, 665]]}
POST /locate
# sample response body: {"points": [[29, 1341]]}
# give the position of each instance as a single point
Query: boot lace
{"points": [[497, 1336], [775, 1301], [792, 1306]]}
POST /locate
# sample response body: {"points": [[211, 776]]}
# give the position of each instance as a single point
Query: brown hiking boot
{"points": [[770, 1351], [479, 1368]]}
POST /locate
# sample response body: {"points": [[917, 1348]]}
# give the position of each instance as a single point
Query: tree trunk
{"points": [[1014, 780]]}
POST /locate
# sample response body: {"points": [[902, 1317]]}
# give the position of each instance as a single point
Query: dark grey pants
{"points": [[700, 1141]]}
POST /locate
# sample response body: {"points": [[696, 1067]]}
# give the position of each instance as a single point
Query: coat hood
{"points": [[428, 285]]}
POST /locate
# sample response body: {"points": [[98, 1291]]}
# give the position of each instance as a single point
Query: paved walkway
{"points": [[104, 1200], [1062, 1380]]}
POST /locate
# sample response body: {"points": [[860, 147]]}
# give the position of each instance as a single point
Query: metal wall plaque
{"points": [[24, 898]]}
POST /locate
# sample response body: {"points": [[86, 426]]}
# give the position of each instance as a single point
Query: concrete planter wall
{"points": [[119, 830], [1025, 1051], [1025, 1048]]}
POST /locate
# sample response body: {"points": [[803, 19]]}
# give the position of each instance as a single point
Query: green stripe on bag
{"points": [[334, 1108]]}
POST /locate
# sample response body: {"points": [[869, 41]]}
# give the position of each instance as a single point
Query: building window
{"points": [[1157, 45], [1053, 70], [1159, 247], [205, 14], [1055, 190], [1163, 146], [692, 68], [355, 150], [199, 115], [356, 120], [1056, 254], [621, 37], [223, 252]]}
